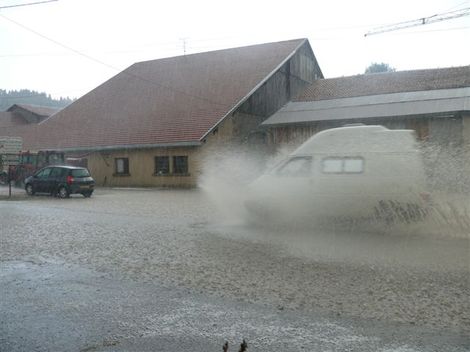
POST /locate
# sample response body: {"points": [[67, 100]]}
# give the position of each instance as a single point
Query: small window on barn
{"points": [[162, 165], [121, 166], [180, 165]]}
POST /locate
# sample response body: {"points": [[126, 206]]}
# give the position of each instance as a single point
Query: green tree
{"points": [[376, 67]]}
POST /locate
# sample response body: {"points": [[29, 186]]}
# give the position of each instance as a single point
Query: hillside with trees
{"points": [[26, 96]]}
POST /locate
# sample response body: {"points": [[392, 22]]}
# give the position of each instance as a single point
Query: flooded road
{"points": [[132, 269]]}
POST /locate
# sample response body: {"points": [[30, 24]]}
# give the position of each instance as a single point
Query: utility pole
{"points": [[420, 21], [184, 44]]}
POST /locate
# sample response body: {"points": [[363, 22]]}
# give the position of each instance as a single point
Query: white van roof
{"points": [[359, 139]]}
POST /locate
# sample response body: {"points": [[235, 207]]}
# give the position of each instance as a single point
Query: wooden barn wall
{"points": [[466, 142], [437, 130], [466, 129], [284, 84], [303, 69], [446, 130]]}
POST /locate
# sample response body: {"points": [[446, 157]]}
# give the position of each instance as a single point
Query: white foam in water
{"points": [[228, 174]]}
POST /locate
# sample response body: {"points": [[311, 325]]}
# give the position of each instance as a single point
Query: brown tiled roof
{"points": [[162, 101], [384, 83], [45, 111]]}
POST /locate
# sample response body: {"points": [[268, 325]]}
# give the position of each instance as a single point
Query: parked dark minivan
{"points": [[61, 181]]}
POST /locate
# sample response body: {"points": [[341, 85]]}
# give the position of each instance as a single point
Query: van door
{"points": [[293, 183]]}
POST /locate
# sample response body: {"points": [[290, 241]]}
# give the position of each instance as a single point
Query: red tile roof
{"points": [[384, 83], [164, 101]]}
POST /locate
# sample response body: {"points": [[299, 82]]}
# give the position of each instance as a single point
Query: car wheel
{"points": [[87, 194], [29, 190], [63, 193]]}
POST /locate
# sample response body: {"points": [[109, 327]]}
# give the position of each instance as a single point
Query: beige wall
{"points": [[142, 162], [141, 168]]}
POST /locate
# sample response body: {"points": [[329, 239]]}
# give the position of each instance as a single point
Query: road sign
{"points": [[10, 148], [10, 145], [10, 159]]}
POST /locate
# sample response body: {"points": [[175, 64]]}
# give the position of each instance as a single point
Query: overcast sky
{"points": [[106, 36]]}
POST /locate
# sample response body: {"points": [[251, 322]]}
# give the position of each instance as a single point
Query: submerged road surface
{"points": [[131, 270]]}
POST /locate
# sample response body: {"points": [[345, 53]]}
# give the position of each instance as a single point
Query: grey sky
{"points": [[118, 33]]}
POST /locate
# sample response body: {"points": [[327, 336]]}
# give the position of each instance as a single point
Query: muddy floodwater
{"points": [[402, 289]]}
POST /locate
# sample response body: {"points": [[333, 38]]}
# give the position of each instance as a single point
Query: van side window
{"points": [[298, 166], [350, 165], [332, 165], [353, 165]]}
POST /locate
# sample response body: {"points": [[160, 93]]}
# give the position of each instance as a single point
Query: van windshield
{"points": [[298, 166]]}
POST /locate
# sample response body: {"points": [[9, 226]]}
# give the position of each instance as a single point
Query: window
{"points": [[180, 165], [332, 165], [80, 173], [299, 166], [121, 166], [343, 165], [44, 173], [56, 172], [162, 165], [353, 165]]}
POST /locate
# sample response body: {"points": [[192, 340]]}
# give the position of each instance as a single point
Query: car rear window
{"points": [[80, 173]]}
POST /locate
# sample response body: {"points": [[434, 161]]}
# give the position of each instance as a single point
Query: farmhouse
{"points": [[154, 123], [157, 122]]}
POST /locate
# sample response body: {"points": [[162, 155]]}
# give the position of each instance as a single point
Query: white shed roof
{"points": [[383, 105]]}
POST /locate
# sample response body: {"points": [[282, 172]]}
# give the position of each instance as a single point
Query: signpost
{"points": [[10, 148]]}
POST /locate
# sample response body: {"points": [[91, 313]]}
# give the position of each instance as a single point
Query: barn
{"points": [[156, 122]]}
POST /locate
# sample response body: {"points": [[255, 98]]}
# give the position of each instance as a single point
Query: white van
{"points": [[356, 171]]}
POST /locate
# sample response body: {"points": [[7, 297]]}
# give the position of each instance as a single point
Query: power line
{"points": [[421, 21], [27, 4], [110, 66], [434, 30], [456, 6]]}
